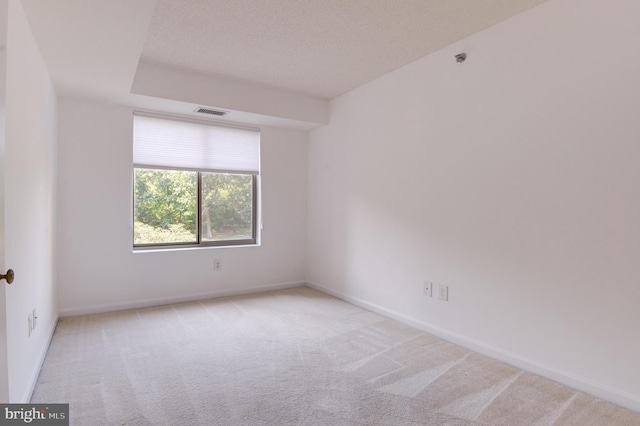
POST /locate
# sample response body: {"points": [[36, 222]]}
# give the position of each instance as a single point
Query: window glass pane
{"points": [[227, 207], [165, 206]]}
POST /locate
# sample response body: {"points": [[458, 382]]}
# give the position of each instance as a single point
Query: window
{"points": [[194, 183]]}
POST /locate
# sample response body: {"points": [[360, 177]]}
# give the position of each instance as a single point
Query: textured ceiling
{"points": [[321, 48]]}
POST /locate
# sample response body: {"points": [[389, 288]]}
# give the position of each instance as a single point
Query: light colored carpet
{"points": [[290, 357]]}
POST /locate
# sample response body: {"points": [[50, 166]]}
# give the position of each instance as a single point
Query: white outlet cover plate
{"points": [[428, 288], [443, 292]]}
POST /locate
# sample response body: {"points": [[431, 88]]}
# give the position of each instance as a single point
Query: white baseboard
{"points": [[146, 303], [588, 386], [33, 377]]}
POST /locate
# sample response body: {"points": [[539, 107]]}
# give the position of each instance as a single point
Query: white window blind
{"points": [[173, 143]]}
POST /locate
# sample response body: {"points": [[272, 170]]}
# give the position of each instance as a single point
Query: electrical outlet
{"points": [[428, 288], [443, 292], [217, 264]]}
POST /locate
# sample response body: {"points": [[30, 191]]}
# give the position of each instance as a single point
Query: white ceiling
{"points": [[90, 47], [321, 48], [266, 62]]}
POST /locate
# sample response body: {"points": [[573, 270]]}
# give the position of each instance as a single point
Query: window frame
{"points": [[199, 243], [224, 157]]}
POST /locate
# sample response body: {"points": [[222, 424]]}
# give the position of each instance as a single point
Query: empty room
{"points": [[337, 212]]}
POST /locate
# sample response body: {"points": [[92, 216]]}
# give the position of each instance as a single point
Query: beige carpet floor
{"points": [[290, 357]]}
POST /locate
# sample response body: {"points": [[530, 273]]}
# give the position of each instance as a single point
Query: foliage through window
{"points": [[227, 202], [192, 205]]}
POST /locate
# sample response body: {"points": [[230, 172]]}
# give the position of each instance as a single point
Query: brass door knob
{"points": [[9, 276]]}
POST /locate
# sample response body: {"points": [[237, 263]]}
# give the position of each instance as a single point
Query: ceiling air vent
{"points": [[211, 111]]}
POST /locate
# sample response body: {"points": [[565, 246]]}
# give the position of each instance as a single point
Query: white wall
{"points": [[30, 204], [513, 179], [98, 270]]}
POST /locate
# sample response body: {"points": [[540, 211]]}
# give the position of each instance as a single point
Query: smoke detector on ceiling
{"points": [[211, 111]]}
